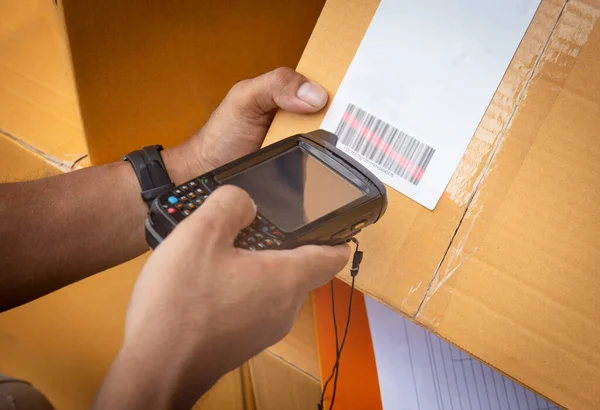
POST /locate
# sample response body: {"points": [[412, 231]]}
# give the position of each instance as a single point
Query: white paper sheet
{"points": [[428, 68], [419, 371]]}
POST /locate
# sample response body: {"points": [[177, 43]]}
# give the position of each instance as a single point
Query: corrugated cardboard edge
{"points": [[38, 96], [561, 49], [439, 278], [61, 165]]}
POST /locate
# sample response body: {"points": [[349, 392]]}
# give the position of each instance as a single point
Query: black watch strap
{"points": [[150, 171]]}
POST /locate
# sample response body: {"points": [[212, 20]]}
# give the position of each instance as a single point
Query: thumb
{"points": [[313, 265], [281, 88], [225, 213]]}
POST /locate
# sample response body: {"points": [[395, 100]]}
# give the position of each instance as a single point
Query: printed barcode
{"points": [[384, 145]]}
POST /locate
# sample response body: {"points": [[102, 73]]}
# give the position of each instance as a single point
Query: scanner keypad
{"points": [[260, 235], [185, 199]]}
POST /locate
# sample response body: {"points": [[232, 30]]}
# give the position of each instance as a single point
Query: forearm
{"points": [[55, 231]]}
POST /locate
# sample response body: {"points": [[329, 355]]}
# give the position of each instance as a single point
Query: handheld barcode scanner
{"points": [[306, 190]]}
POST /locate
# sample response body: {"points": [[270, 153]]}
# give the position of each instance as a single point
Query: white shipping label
{"points": [[419, 85]]}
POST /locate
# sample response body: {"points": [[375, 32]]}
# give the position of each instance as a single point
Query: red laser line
{"points": [[386, 148]]}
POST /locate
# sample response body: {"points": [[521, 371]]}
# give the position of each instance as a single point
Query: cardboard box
{"points": [[151, 72], [506, 265], [133, 73], [19, 164]]}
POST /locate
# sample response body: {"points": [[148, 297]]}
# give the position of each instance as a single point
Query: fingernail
{"points": [[312, 94]]}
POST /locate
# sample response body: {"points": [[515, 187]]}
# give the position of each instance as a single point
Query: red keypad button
{"points": [[171, 210]]}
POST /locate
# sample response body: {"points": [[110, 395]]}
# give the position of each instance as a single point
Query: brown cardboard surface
{"points": [[524, 263], [65, 342], [505, 265], [279, 385], [399, 271], [151, 72], [146, 72], [37, 93]]}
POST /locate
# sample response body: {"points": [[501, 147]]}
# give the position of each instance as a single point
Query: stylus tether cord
{"points": [[356, 260]]}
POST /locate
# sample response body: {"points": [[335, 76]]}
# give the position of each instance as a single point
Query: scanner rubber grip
{"points": [[325, 136]]}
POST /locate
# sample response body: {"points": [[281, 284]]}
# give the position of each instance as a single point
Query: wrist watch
{"points": [[150, 171]]}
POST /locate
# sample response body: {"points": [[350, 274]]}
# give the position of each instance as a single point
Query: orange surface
{"points": [[358, 384]]}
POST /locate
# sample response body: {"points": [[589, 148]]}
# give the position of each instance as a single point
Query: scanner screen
{"points": [[294, 189]]}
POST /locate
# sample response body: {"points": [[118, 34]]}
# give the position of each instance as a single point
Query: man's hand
{"points": [[238, 126], [201, 307], [92, 219]]}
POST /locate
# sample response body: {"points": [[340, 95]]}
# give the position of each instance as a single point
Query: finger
{"points": [[281, 88], [225, 213], [311, 266]]}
